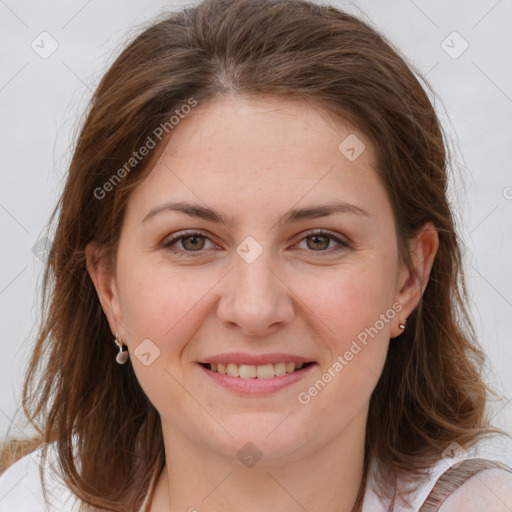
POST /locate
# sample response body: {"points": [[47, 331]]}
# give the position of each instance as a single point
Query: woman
{"points": [[256, 220]]}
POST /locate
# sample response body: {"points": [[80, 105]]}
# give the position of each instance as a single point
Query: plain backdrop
{"points": [[462, 47]]}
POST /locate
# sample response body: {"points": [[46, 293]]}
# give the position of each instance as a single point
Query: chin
{"points": [[256, 439]]}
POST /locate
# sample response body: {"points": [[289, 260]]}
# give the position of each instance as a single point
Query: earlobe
{"points": [[423, 249], [104, 283]]}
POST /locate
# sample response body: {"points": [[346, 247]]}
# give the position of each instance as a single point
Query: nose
{"points": [[255, 298]]}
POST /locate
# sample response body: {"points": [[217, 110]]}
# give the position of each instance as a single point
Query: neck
{"points": [[327, 478]]}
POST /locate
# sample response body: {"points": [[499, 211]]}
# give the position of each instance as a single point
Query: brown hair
{"points": [[431, 391]]}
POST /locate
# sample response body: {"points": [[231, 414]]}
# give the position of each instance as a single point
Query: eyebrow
{"points": [[291, 216]]}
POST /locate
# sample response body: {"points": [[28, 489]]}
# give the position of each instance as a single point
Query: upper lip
{"points": [[254, 359]]}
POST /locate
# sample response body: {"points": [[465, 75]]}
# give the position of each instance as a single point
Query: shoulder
{"points": [[489, 490], [21, 488], [18, 486]]}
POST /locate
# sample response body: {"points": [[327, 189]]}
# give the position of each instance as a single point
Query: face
{"points": [[250, 274]]}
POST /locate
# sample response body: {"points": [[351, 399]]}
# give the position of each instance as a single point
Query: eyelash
{"points": [[194, 254]]}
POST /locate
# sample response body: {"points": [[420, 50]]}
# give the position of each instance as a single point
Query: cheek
{"points": [[167, 307], [163, 303], [348, 299], [352, 317], [353, 313]]}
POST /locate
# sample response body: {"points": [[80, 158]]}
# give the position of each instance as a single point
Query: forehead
{"points": [[252, 154], [271, 129]]}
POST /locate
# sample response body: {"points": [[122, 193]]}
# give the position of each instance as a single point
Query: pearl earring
{"points": [[121, 357]]}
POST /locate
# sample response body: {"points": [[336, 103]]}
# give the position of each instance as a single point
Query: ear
{"points": [[106, 288], [411, 285]]}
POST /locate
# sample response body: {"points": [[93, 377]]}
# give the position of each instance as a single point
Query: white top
{"points": [[21, 490], [373, 503]]}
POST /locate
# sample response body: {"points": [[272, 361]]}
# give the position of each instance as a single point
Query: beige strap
{"points": [[453, 478]]}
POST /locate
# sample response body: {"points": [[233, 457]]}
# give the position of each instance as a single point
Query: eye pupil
{"points": [[325, 239], [194, 245]]}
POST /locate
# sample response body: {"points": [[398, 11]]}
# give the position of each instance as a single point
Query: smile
{"points": [[261, 379], [250, 371]]}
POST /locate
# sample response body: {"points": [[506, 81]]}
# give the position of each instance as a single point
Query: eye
{"points": [[192, 242], [321, 239]]}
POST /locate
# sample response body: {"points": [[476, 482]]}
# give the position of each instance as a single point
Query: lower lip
{"points": [[255, 385]]}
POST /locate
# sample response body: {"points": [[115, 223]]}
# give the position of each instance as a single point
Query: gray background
{"points": [[41, 100]]}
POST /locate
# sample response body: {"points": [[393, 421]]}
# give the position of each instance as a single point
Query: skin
{"points": [[253, 160], [489, 490]]}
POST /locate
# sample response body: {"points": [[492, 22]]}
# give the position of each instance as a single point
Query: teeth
{"points": [[232, 370], [280, 369], [265, 371], [247, 371], [250, 371]]}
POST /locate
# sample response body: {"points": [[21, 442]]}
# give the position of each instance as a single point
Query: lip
{"points": [[256, 360], [257, 386]]}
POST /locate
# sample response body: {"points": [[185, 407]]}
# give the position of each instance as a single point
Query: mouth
{"points": [[256, 374], [250, 371], [257, 380]]}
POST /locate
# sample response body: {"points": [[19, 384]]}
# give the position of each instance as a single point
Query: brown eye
{"points": [[192, 242], [319, 241], [189, 243]]}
